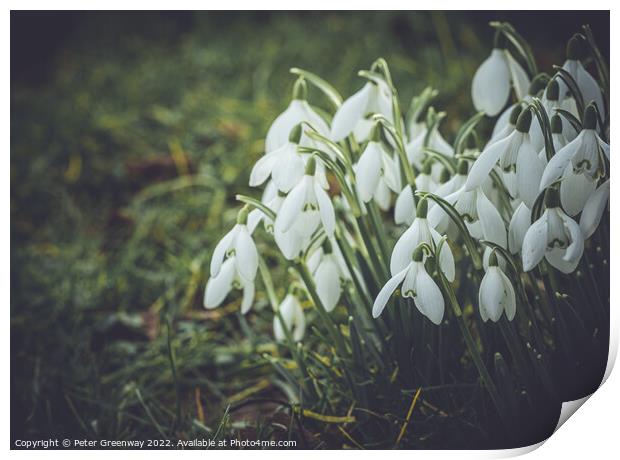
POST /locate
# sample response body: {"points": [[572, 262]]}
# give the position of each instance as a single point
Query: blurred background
{"points": [[130, 135]]}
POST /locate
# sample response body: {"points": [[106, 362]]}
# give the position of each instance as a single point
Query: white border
{"points": [[592, 434]]}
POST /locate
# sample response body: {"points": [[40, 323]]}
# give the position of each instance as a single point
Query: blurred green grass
{"points": [[124, 167]]}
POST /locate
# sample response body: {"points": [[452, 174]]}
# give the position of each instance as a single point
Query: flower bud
{"points": [[524, 121], [493, 260], [422, 209], [553, 90], [375, 134], [418, 254], [427, 167], [499, 40], [576, 48], [310, 166], [300, 89], [472, 141], [462, 168], [514, 115], [444, 176], [295, 134], [552, 198], [242, 215], [556, 124], [538, 84], [589, 117], [327, 246]]}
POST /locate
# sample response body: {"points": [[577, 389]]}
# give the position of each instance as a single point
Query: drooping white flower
{"points": [[554, 236], [519, 224], [297, 112], [516, 156], [374, 164], [589, 88], [417, 284], [435, 141], [374, 97], [293, 317], [578, 165], [421, 232], [328, 274], [285, 165], [493, 80], [233, 265], [306, 198], [482, 218], [496, 294], [593, 210]]}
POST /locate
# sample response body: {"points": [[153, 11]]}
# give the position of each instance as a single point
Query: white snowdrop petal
{"points": [[493, 228], [558, 163], [502, 122], [535, 243], [219, 286], [387, 291], [491, 294], [326, 209], [327, 280], [382, 196], [368, 171], [429, 299], [575, 249], [491, 84], [350, 113], [246, 254], [590, 89], [556, 257], [510, 300], [262, 168], [254, 218], [593, 210], [404, 209], [248, 297], [289, 170], [485, 162], [529, 172], [575, 189], [219, 253], [290, 243], [446, 258], [520, 80], [520, 222], [292, 205], [280, 129]]}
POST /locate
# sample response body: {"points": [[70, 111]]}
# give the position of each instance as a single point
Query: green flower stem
{"points": [[331, 327], [473, 350], [380, 234]]}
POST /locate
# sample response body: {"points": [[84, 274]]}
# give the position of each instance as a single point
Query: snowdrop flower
{"points": [[297, 112], [374, 97], [420, 232], [496, 294], [293, 317], [374, 164], [303, 202], [503, 130], [417, 284], [590, 90], [515, 154], [492, 81], [519, 224], [554, 236], [415, 148], [579, 163], [593, 210], [482, 218], [285, 165], [328, 276], [233, 265]]}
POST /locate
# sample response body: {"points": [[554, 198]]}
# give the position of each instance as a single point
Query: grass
{"points": [[124, 166]]}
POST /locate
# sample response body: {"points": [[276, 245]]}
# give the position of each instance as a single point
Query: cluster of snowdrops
{"points": [[535, 191]]}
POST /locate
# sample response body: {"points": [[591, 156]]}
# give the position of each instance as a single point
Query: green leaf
{"points": [[465, 130], [572, 119]]}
